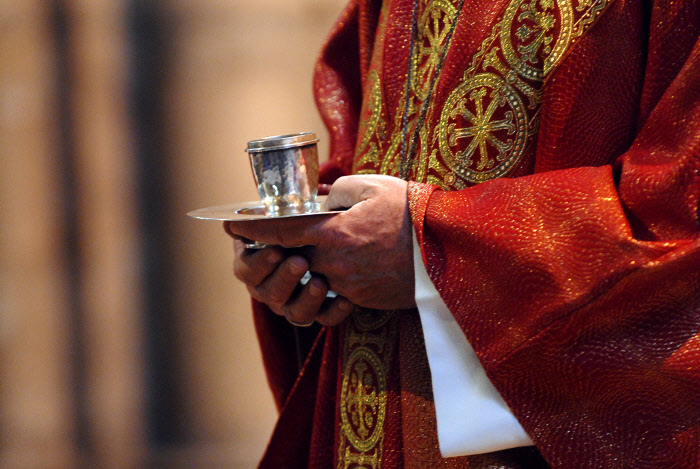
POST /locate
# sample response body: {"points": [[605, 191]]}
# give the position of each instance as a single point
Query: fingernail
{"points": [[297, 266], [345, 306]]}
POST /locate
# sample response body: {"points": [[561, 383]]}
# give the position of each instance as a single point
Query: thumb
{"points": [[347, 191], [343, 194]]}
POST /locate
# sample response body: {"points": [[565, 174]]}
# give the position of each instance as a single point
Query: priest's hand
{"points": [[364, 254], [273, 277]]}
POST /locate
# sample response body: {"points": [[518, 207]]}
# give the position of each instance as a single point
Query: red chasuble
{"points": [[554, 149]]}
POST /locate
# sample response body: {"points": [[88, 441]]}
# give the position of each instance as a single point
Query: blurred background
{"points": [[124, 339]]}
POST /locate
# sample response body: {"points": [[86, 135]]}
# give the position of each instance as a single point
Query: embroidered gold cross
{"points": [[483, 128], [364, 399]]}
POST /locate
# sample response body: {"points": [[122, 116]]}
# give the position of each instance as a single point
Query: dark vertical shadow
{"points": [[63, 82], [148, 54]]}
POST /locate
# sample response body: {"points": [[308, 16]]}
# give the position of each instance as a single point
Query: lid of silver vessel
{"points": [[280, 142]]}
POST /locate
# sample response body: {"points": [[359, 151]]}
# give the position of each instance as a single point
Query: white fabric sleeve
{"points": [[472, 418]]}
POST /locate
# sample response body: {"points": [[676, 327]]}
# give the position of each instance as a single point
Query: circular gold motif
{"points": [[363, 399], [483, 128], [433, 28], [534, 25]]}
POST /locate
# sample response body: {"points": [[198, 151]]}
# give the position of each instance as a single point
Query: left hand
{"points": [[364, 253]]}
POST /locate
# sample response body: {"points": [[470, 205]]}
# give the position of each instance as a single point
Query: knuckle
{"points": [[272, 296], [342, 181], [342, 271]]}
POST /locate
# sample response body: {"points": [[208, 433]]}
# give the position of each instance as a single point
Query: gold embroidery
{"points": [[532, 23], [380, 155], [370, 123], [591, 11], [369, 343], [389, 164], [488, 113], [485, 126], [433, 27], [363, 393], [488, 120]]}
